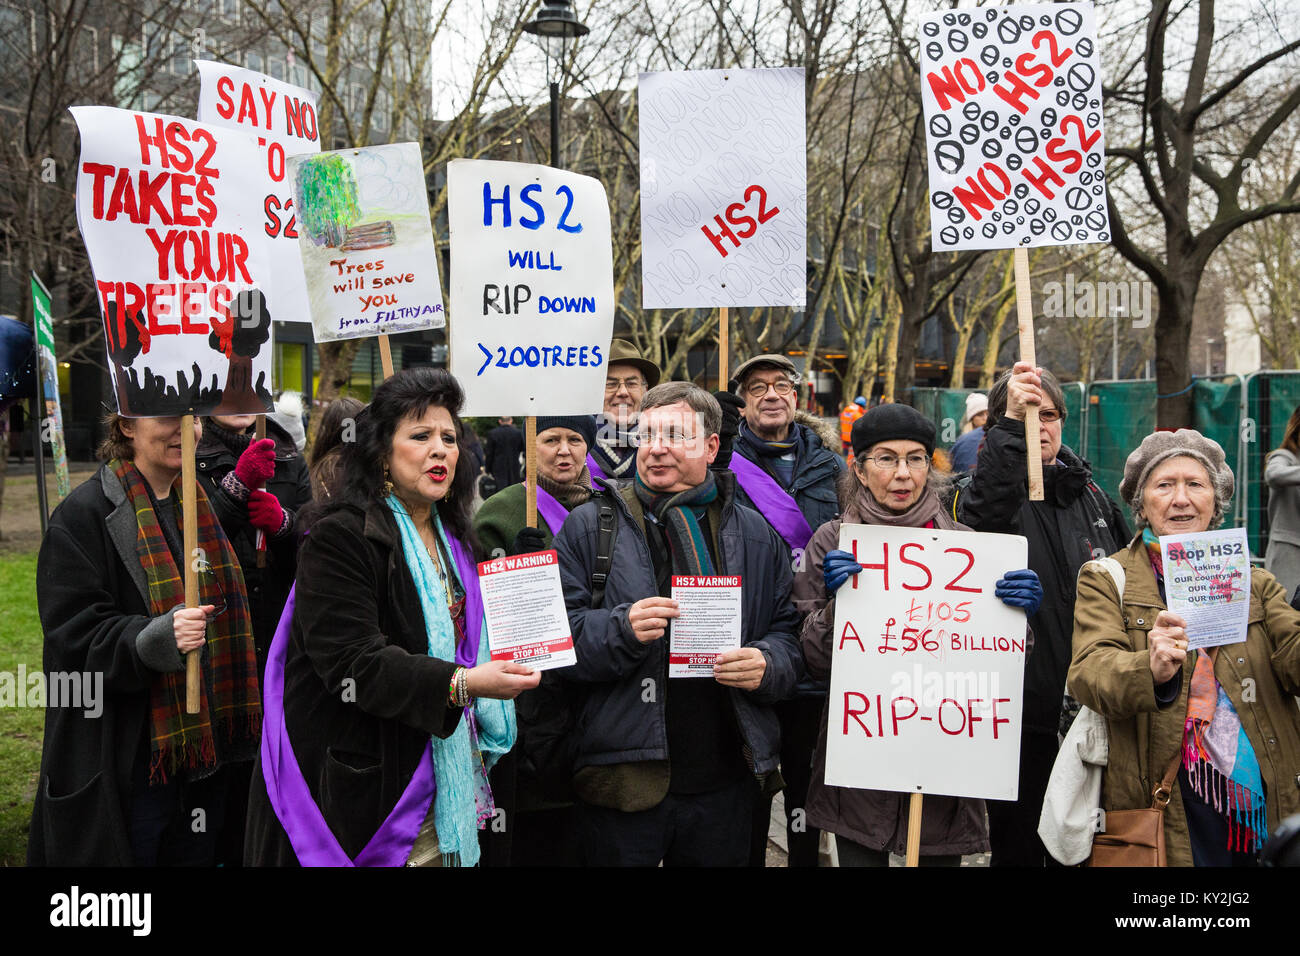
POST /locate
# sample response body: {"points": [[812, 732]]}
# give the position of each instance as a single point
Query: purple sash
{"points": [[310, 836], [772, 501], [551, 509], [595, 471]]}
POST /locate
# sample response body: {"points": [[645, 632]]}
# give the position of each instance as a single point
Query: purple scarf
{"points": [[595, 471], [773, 502], [310, 836], [549, 507]]}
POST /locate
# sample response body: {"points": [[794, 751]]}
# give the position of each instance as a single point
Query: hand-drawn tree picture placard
{"points": [[1013, 114], [366, 241], [168, 209]]}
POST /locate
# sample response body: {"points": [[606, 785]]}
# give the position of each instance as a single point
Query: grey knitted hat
{"points": [[1160, 447]]}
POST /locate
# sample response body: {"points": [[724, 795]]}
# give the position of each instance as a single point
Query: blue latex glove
{"points": [[1020, 589], [837, 566]]}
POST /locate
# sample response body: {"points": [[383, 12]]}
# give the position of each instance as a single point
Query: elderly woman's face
{"points": [[898, 484], [423, 459], [560, 454], [1178, 497]]}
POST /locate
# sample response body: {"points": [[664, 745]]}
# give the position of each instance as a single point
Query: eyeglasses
{"points": [[888, 462], [1050, 416], [631, 384], [210, 588], [782, 387], [668, 436]]}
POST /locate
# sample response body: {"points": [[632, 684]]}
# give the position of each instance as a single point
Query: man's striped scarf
{"points": [[680, 514], [228, 725]]}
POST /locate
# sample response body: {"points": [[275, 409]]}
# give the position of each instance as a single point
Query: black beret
{"points": [[584, 425], [892, 422]]}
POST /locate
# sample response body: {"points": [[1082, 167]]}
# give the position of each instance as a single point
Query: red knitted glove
{"points": [[257, 464], [265, 513]]}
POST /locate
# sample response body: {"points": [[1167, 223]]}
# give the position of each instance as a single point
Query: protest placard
{"points": [[524, 605], [366, 241], [532, 288], [283, 118], [1207, 584], [169, 209], [52, 420], [709, 622], [927, 665], [723, 188], [1013, 118]]}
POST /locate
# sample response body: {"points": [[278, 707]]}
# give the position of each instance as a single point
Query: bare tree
{"points": [[1211, 93]]}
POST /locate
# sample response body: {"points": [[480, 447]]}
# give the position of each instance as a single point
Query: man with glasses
{"points": [[1075, 522], [668, 769], [788, 475], [626, 380]]}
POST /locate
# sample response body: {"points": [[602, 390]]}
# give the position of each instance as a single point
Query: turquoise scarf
{"points": [[463, 801]]}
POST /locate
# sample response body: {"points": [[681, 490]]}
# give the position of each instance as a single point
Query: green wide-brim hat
{"points": [[624, 352]]}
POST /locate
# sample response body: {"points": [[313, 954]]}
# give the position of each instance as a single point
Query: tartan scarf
{"points": [[228, 726], [679, 513], [1217, 755]]}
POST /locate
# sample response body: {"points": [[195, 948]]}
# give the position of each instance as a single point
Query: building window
{"points": [[256, 62]]}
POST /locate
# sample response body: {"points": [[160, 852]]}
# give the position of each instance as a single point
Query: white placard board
{"points": [[724, 185], [283, 118], [523, 603], [169, 209], [1013, 118], [532, 288], [366, 241], [1207, 584], [927, 665]]}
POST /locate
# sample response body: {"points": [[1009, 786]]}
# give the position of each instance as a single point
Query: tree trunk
{"points": [[1173, 337], [893, 319], [335, 372]]}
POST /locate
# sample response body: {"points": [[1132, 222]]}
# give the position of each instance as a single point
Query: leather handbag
{"points": [[1137, 837]]}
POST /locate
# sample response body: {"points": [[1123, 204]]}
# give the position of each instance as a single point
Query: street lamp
{"points": [[555, 25]]}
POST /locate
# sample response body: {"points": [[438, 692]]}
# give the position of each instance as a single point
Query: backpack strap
{"points": [[606, 531]]}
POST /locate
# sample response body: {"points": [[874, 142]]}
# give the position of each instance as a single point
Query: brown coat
{"points": [[873, 818], [1111, 673]]}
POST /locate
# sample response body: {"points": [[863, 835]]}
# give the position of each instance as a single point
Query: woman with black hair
{"points": [[366, 760], [338, 427]]}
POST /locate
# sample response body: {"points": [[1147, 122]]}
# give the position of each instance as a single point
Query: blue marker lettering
{"points": [[526, 197], [489, 202]]}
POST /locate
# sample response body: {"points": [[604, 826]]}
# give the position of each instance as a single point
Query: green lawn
{"points": [[20, 727]]}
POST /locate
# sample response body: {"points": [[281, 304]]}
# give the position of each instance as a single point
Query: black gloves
{"points": [[731, 405], [529, 540]]}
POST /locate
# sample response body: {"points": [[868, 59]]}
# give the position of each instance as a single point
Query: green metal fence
{"points": [[1105, 421]]}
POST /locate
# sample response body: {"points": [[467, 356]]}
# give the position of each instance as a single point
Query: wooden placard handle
{"points": [[1025, 318], [386, 356], [259, 432], [530, 468], [724, 348], [190, 534], [914, 830]]}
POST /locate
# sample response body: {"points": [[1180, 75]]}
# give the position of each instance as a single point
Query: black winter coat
{"points": [[1075, 522], [268, 587], [505, 444], [617, 723], [93, 600], [361, 694]]}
